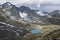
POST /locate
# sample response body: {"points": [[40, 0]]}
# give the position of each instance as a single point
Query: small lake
{"points": [[35, 30]]}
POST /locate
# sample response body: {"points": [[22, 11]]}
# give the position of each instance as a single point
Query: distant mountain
{"points": [[55, 13], [28, 11], [54, 17]]}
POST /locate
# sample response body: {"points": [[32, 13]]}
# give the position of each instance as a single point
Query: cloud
{"points": [[50, 5], [51, 1]]}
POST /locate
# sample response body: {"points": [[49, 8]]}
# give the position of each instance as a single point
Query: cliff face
{"points": [[10, 10]]}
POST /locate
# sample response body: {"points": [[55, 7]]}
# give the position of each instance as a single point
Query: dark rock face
{"points": [[6, 34], [8, 31], [23, 9]]}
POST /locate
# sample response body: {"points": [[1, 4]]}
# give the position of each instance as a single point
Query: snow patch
{"points": [[23, 15], [40, 13]]}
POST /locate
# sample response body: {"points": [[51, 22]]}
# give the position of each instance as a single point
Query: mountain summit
{"points": [[27, 10], [10, 10]]}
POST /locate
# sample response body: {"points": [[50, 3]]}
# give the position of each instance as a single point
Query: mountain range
{"points": [[13, 11], [26, 14]]}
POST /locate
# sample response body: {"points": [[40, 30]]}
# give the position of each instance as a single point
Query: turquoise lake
{"points": [[36, 31]]}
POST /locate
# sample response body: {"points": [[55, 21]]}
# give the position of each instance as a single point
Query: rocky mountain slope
{"points": [[10, 10], [15, 13], [54, 17]]}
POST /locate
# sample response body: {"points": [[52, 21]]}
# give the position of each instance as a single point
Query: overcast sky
{"points": [[33, 3], [50, 5]]}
